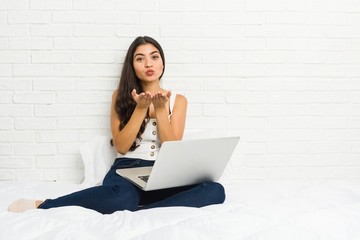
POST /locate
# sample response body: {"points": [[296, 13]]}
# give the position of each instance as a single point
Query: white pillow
{"points": [[98, 156]]}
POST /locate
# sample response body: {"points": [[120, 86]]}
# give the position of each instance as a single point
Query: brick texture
{"points": [[282, 74]]}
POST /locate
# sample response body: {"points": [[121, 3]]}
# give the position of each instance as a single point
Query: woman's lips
{"points": [[149, 72]]}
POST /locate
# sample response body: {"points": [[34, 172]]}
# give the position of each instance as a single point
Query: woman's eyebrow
{"points": [[141, 54]]}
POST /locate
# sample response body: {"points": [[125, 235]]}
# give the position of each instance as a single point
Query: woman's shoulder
{"points": [[179, 97], [115, 94], [178, 100]]}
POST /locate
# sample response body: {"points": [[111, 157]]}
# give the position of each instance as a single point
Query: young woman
{"points": [[143, 115]]}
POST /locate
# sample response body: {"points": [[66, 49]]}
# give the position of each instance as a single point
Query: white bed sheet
{"points": [[252, 211]]}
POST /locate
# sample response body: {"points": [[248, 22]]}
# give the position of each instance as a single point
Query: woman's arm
{"points": [[125, 138], [173, 128]]}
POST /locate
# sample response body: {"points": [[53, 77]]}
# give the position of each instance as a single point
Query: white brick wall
{"points": [[282, 74]]}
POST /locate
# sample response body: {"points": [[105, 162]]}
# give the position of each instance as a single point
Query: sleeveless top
{"points": [[148, 148]]}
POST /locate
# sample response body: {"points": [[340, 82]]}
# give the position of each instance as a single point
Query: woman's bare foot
{"points": [[38, 203], [22, 205]]}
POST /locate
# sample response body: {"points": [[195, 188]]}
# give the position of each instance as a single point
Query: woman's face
{"points": [[148, 64]]}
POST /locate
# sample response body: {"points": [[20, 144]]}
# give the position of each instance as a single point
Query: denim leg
{"points": [[199, 195], [115, 194]]}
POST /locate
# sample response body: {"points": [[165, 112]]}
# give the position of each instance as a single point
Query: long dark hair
{"points": [[125, 104]]}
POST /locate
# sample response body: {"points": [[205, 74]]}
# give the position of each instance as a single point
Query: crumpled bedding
{"points": [[263, 210]]}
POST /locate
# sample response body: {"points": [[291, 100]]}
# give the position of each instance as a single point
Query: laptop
{"points": [[182, 163]]}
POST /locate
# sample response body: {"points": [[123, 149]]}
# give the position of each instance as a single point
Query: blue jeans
{"points": [[116, 193]]}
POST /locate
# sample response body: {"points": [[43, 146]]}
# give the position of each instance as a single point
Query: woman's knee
{"points": [[215, 191], [124, 198]]}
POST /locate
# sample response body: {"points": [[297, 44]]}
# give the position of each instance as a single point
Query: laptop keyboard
{"points": [[144, 178]]}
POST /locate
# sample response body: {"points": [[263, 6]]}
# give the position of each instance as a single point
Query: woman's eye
{"points": [[139, 59], [155, 57]]}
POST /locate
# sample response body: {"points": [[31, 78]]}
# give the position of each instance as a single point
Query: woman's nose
{"points": [[148, 63]]}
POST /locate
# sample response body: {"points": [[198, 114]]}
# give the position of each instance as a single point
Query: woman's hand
{"points": [[143, 100], [160, 99]]}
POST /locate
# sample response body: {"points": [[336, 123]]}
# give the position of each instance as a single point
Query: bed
{"points": [[253, 210]]}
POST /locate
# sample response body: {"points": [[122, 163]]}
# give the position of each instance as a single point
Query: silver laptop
{"points": [[181, 163]]}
